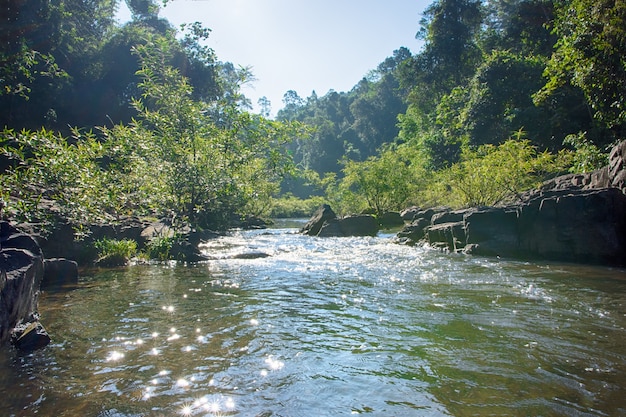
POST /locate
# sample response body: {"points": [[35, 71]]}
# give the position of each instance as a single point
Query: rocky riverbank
{"points": [[574, 218]]}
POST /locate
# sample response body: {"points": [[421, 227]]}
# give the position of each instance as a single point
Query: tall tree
{"points": [[451, 53], [590, 56]]}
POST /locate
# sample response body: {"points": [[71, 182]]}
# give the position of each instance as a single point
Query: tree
{"points": [[382, 183], [519, 26], [451, 54], [265, 106], [500, 101], [590, 55]]}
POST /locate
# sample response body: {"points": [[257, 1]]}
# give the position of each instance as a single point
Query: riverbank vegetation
{"points": [[502, 96], [102, 122]]}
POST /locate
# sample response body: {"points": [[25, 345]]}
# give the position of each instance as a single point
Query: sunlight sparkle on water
{"points": [[114, 356], [186, 410], [274, 364]]}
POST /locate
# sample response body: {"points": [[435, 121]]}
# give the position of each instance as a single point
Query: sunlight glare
{"points": [[182, 383], [274, 364], [114, 356], [186, 410]]}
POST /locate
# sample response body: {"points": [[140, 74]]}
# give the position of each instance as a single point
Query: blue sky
{"points": [[302, 45]]}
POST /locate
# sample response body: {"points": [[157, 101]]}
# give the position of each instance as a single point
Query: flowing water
{"points": [[328, 327]]}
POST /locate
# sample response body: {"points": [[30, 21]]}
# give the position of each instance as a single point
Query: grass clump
{"points": [[113, 252]]}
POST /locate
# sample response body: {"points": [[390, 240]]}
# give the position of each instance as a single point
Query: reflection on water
{"points": [[327, 327]]}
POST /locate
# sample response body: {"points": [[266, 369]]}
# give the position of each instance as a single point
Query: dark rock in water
{"points": [[573, 218], [390, 219], [21, 271], [325, 223], [447, 217], [314, 225], [112, 261], [408, 214], [361, 225], [250, 223], [59, 272], [185, 251], [413, 233], [30, 336], [584, 226], [61, 240]]}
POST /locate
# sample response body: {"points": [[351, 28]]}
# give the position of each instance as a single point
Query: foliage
{"points": [[289, 206], [587, 156], [45, 166], [589, 55], [108, 248], [353, 124], [197, 161], [491, 175], [379, 184], [160, 248]]}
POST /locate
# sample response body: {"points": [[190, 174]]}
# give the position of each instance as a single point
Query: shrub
{"points": [[112, 252]]}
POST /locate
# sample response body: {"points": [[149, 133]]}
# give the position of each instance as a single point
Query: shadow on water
{"points": [[328, 327]]}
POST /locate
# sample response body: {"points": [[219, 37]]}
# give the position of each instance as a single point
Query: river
{"points": [[328, 327]]}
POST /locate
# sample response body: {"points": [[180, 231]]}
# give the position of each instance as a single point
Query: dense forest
{"points": [[103, 121]]}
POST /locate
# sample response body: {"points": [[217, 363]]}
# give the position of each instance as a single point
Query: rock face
{"points": [[21, 271], [574, 218], [325, 223]]}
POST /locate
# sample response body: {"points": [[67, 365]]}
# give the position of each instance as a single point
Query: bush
{"points": [[491, 175], [160, 248], [112, 252], [290, 206]]}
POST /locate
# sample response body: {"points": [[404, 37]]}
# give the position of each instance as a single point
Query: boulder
{"points": [[408, 214], [413, 233], [492, 232], [314, 225], [586, 226], [21, 272], [447, 236], [30, 335], [390, 219], [361, 225], [58, 273], [447, 217]]}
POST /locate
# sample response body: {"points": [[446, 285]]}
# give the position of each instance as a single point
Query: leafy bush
{"points": [[587, 156], [290, 206], [491, 174], [160, 248], [108, 248]]}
